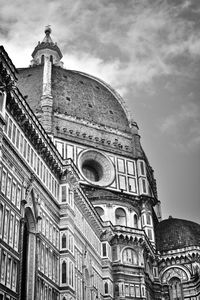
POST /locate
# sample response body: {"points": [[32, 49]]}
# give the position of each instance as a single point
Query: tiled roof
{"points": [[30, 84], [175, 233], [75, 94]]}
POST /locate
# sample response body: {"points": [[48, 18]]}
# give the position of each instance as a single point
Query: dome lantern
{"points": [[47, 49]]}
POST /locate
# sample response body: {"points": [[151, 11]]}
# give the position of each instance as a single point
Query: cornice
{"points": [[178, 253], [24, 116], [33, 130], [93, 125], [71, 174], [6, 63]]}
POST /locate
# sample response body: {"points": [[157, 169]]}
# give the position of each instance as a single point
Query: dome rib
{"points": [[77, 94]]}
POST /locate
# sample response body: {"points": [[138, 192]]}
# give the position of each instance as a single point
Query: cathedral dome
{"points": [[172, 234], [76, 94]]}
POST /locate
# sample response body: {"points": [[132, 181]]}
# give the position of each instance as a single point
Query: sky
{"points": [[149, 51]]}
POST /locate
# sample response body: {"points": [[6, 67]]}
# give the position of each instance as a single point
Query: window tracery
{"points": [[129, 256]]}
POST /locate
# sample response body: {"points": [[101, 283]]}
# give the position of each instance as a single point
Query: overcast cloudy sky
{"points": [[149, 51]]}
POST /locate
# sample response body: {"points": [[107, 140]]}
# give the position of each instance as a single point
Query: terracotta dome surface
{"points": [[175, 233], [75, 94]]}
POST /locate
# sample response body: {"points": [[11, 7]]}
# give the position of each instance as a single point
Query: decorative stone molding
{"points": [[175, 271], [101, 166]]}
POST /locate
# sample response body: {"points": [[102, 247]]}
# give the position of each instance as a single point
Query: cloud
{"points": [[183, 127], [137, 40]]}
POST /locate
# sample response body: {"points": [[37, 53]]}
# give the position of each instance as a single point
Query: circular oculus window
{"points": [[96, 168]]}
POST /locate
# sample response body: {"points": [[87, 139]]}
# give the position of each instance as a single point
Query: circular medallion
{"points": [[96, 168]]}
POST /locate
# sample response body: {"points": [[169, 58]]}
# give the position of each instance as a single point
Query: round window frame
{"points": [[101, 159]]}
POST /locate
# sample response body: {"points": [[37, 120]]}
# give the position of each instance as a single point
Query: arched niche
{"points": [[28, 239]]}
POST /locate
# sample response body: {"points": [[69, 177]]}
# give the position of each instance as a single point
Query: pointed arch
{"points": [[28, 239], [64, 272], [64, 241], [106, 288]]}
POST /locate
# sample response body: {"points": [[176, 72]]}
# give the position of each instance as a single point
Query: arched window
{"points": [[51, 58], [64, 272], [116, 290], [64, 241], [100, 211], [148, 216], [175, 289], [120, 217], [106, 288], [71, 274], [42, 59], [135, 220], [129, 256]]}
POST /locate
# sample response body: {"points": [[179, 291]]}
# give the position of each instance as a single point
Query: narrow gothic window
{"points": [[106, 288], [64, 193], [142, 168], [148, 219], [144, 186], [135, 221], [64, 272], [42, 59], [104, 249]]}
